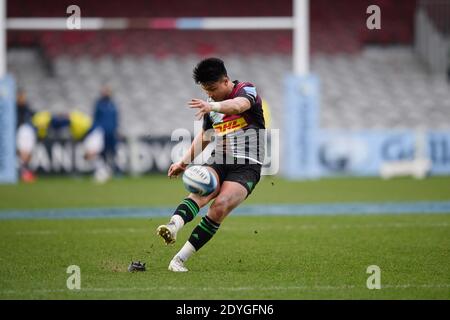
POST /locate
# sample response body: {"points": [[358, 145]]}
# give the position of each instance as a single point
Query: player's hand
{"points": [[202, 106], [176, 168]]}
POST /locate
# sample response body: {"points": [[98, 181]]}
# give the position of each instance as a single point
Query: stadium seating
{"points": [[363, 86], [380, 87]]}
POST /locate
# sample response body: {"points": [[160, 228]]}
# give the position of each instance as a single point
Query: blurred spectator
{"points": [[106, 119], [76, 125], [25, 138], [24, 112], [267, 114]]}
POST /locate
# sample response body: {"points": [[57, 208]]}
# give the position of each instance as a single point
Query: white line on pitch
{"points": [[228, 228], [169, 288]]}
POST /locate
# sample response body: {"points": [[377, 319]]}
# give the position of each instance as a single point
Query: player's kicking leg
{"points": [[186, 211], [230, 196]]}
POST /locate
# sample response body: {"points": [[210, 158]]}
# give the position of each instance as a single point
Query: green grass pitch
{"points": [[259, 257]]}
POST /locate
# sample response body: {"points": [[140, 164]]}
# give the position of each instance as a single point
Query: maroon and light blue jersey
{"points": [[240, 135]]}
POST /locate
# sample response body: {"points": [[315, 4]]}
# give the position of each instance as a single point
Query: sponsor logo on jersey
{"points": [[230, 126]]}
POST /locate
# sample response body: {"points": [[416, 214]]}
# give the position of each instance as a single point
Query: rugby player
{"points": [[233, 116]]}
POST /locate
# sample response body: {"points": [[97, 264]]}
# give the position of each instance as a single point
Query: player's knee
{"points": [[219, 209]]}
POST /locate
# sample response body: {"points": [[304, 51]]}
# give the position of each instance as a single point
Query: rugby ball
{"points": [[199, 180]]}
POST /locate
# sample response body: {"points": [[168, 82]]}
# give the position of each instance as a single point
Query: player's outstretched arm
{"points": [[198, 145], [231, 106]]}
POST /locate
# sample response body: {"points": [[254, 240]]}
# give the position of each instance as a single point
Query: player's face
{"points": [[218, 90]]}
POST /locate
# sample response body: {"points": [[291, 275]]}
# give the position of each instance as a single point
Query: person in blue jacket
{"points": [[106, 118]]}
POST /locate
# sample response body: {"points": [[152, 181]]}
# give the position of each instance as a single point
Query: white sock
{"points": [[177, 221], [185, 252]]}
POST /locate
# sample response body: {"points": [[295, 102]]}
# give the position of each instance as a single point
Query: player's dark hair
{"points": [[209, 70]]}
